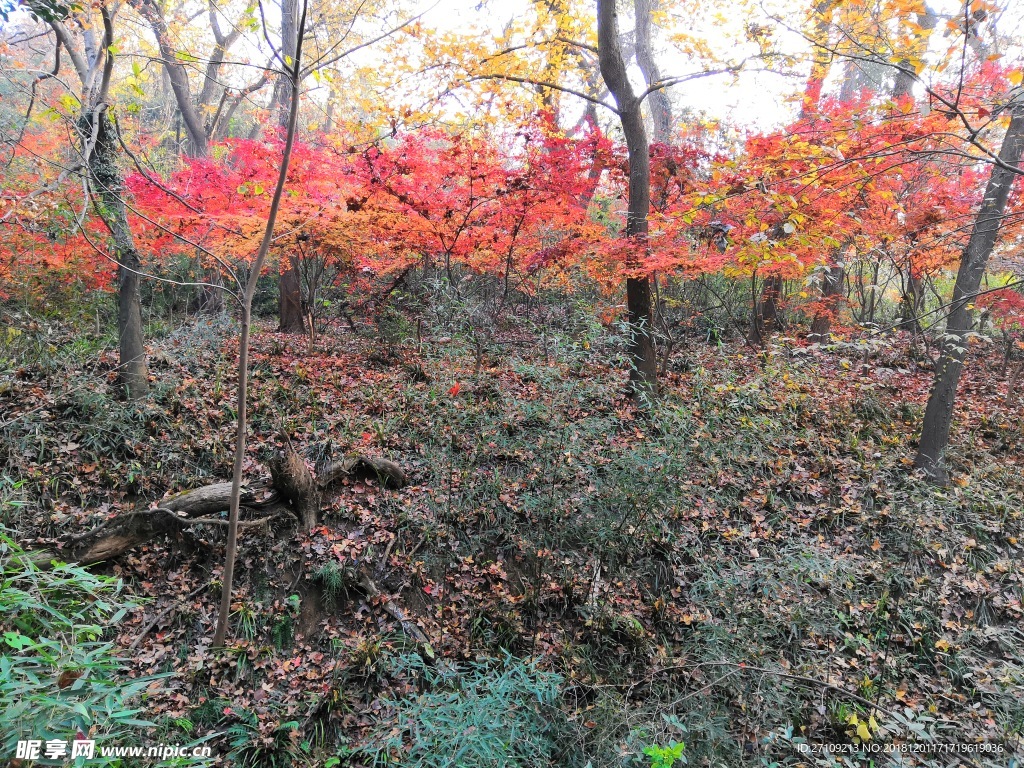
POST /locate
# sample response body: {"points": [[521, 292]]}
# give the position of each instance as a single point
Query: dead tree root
{"points": [[291, 490]]}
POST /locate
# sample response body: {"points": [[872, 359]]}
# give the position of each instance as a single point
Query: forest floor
{"points": [[751, 566]]}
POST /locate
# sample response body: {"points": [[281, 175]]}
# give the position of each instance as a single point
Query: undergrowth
{"points": [[749, 567]]}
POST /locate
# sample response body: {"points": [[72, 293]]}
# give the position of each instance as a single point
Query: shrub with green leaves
{"points": [[58, 676], [666, 756], [484, 714]]}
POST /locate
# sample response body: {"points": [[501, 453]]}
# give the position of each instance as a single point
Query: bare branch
{"points": [[544, 84]]}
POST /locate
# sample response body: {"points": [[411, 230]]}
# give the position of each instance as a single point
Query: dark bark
{"points": [[910, 303], [765, 318], [644, 366], [853, 81], [289, 38], [108, 184], [293, 319], [831, 290], [124, 533], [822, 15], [939, 412], [296, 484], [211, 296], [903, 85], [385, 472]]}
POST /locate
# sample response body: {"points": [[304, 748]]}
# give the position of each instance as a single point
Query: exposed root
{"points": [[387, 473], [394, 611], [293, 489]]}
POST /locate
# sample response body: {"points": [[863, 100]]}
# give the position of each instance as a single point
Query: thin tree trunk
{"points": [[939, 413], [873, 305], [644, 364], [224, 616], [108, 183], [910, 305]]}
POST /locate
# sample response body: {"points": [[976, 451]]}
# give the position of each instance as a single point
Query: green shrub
{"points": [[58, 676], [252, 746], [480, 715], [667, 756]]}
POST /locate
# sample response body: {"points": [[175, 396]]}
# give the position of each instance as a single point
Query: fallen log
{"points": [[293, 488], [208, 500], [131, 530], [123, 533], [386, 472]]}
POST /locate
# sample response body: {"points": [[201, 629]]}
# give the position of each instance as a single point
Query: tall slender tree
{"points": [[938, 414], [643, 363], [292, 68], [90, 46], [291, 315]]}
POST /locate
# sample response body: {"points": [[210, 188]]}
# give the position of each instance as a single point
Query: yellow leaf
{"points": [[1015, 77], [863, 732], [942, 644]]}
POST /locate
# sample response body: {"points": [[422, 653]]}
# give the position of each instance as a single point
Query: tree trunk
{"points": [[644, 366], [939, 412], [765, 311], [211, 296], [107, 182], [178, 76], [831, 288], [212, 84], [289, 38], [293, 319], [910, 304], [293, 480], [661, 106], [822, 14], [903, 85], [292, 65]]}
